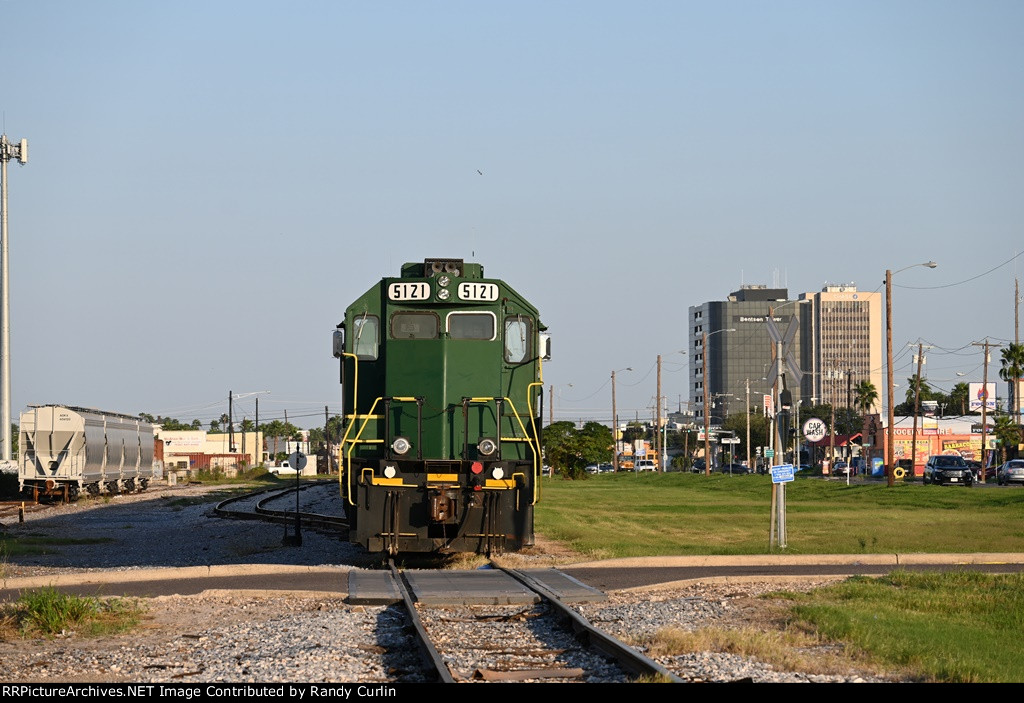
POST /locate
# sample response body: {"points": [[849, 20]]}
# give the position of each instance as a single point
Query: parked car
{"points": [[841, 468], [734, 469], [592, 469], [942, 468], [605, 468], [645, 465], [698, 466], [1011, 472], [991, 472]]}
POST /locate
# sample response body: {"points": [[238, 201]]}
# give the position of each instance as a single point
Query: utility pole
{"points": [[984, 405], [551, 404], [832, 422], [849, 388], [231, 426], [657, 427], [748, 424], [917, 406], [707, 405], [614, 428]]}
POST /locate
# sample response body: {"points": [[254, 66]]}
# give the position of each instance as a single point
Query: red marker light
{"points": [[477, 467]]}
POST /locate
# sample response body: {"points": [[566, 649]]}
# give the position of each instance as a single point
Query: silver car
{"points": [[1011, 472]]}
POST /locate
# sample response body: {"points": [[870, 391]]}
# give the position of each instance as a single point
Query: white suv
{"points": [[645, 465]]}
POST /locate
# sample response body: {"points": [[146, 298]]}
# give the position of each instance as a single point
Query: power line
{"points": [[968, 280]]}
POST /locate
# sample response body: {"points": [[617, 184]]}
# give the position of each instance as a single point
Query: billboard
{"points": [[978, 395]]}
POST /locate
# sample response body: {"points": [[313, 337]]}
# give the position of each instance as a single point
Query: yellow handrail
{"points": [[526, 436], [533, 424]]}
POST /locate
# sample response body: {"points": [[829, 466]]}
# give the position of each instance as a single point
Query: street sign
{"points": [[729, 440], [814, 430], [769, 453], [782, 473], [297, 460]]}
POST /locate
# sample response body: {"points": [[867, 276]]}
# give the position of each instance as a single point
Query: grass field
{"points": [[950, 627], [626, 514]]}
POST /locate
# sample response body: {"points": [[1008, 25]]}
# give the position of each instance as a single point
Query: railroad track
{"points": [[13, 508], [255, 506], [547, 641]]}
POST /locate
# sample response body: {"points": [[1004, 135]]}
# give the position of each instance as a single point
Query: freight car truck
{"points": [[66, 450]]}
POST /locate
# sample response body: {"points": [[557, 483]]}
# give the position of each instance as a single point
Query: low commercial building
{"points": [[189, 451]]}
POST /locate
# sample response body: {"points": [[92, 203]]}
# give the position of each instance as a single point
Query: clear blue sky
{"points": [[211, 183]]}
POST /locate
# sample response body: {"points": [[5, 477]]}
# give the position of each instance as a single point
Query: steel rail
{"points": [[628, 658], [313, 520], [444, 675]]}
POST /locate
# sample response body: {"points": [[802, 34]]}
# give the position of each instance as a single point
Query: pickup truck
{"points": [[284, 469]]}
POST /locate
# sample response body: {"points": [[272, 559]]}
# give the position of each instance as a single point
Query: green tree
{"points": [[334, 428], [569, 450], [634, 431], [758, 433], [1008, 433], [866, 396], [272, 430], [907, 407], [959, 399], [1012, 371]]}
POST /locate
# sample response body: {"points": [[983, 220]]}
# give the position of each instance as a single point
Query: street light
{"points": [[706, 388], [231, 425], [8, 150], [889, 449], [615, 425], [660, 432], [551, 400]]}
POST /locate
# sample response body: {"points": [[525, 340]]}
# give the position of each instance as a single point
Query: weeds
{"points": [[47, 612]]}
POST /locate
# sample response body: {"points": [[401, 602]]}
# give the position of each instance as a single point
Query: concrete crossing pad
{"points": [[479, 587]]}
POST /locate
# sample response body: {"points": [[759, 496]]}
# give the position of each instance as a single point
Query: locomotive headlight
{"points": [[498, 473], [487, 446], [390, 471], [443, 281], [400, 446], [443, 294]]}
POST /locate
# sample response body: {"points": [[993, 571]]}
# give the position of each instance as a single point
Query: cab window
{"points": [[366, 337], [517, 339], [471, 325], [414, 325]]}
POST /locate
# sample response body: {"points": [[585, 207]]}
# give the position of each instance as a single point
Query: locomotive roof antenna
{"points": [[8, 151]]}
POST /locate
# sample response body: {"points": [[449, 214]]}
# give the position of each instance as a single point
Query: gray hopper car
{"points": [[66, 450]]}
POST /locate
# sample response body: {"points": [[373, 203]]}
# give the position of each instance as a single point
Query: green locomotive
{"points": [[441, 373]]}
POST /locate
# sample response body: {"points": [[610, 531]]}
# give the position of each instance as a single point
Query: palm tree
{"points": [[867, 396], [1007, 432], [1012, 371]]}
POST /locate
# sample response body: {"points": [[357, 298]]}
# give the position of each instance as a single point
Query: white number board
{"points": [[409, 291], [486, 292]]}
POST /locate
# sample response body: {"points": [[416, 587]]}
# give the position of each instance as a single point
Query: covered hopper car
{"points": [[66, 450], [442, 391]]}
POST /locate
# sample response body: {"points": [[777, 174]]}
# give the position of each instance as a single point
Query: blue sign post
{"points": [[782, 473]]}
